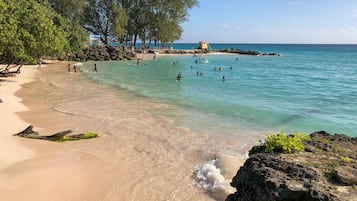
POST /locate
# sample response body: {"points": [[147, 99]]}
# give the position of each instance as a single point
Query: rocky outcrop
{"points": [[103, 53], [232, 51], [248, 52], [326, 170]]}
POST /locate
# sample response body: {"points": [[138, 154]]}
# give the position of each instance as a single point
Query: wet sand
{"points": [[140, 155]]}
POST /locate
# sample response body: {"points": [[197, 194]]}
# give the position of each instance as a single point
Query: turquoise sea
{"points": [[308, 88]]}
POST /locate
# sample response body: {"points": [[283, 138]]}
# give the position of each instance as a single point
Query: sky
{"points": [[272, 21]]}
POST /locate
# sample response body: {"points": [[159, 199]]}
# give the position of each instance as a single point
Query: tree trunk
{"points": [[135, 38]]}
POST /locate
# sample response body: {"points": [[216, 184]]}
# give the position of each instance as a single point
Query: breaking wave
{"points": [[208, 176]]}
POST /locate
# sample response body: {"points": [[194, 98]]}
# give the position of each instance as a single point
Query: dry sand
{"points": [[11, 149], [41, 170]]}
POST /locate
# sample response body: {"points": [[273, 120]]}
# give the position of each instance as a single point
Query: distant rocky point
{"points": [[325, 170], [105, 53], [198, 51]]}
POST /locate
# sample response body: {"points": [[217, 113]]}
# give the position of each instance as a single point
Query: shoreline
{"points": [[53, 164], [54, 168], [13, 149]]}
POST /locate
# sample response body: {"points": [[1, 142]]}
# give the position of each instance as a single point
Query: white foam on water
{"points": [[208, 176], [215, 175], [78, 64]]}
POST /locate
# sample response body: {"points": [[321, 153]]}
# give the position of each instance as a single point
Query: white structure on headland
{"points": [[203, 45], [94, 40]]}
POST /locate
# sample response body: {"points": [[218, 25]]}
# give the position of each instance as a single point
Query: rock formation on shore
{"points": [[197, 51], [103, 53], [325, 170]]}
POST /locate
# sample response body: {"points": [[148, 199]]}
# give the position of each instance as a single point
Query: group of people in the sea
{"points": [[74, 68], [95, 70], [178, 77], [198, 73]]}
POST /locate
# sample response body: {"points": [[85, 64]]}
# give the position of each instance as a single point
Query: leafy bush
{"points": [[283, 143], [346, 159]]}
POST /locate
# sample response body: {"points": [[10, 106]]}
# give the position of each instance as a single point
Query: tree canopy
{"points": [[27, 32], [30, 29], [156, 20]]}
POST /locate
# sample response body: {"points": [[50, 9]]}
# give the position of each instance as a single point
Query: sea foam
{"points": [[208, 176], [215, 175]]}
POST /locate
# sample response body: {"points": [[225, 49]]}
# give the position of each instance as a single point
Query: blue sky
{"points": [[272, 21]]}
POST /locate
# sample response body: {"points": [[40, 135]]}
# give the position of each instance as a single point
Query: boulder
{"points": [[347, 174], [326, 170], [103, 53], [269, 177]]}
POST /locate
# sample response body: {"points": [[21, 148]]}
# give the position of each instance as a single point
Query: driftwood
{"points": [[30, 133], [60, 136], [5, 72]]}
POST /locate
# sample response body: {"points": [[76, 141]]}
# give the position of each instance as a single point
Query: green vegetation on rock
{"points": [[346, 159], [282, 143]]}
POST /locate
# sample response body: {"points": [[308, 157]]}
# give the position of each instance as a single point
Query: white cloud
{"points": [[230, 27], [264, 30]]}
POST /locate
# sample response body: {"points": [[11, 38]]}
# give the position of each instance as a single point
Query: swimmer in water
{"points": [[179, 77]]}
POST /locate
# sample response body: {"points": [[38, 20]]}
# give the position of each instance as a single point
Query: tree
{"points": [[27, 32], [170, 15], [69, 17], [69, 9], [131, 20], [105, 18], [157, 20]]}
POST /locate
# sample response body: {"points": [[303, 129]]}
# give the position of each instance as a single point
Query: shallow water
{"points": [[169, 140], [308, 88], [152, 157]]}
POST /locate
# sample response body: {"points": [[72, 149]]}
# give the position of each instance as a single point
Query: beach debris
{"points": [[58, 137], [6, 72], [28, 132]]}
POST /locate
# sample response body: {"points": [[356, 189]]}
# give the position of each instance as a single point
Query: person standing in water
{"points": [[95, 68], [179, 77], [74, 68], [69, 68]]}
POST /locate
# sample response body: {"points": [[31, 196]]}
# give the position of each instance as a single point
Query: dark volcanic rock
{"points": [[325, 171], [103, 53], [270, 177]]}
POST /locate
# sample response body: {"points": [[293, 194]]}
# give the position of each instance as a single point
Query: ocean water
{"points": [[308, 88]]}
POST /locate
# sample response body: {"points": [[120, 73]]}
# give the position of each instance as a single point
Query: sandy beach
{"points": [[12, 149], [37, 170], [139, 155]]}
